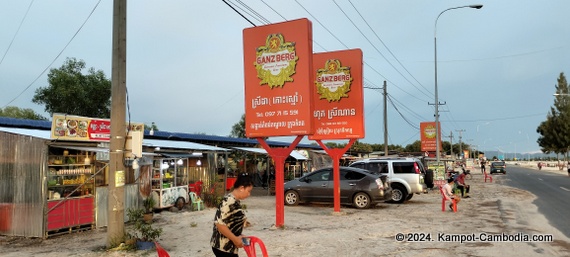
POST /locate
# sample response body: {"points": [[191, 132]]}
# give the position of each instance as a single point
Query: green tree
{"points": [[238, 129], [151, 127], [72, 92], [414, 147], [555, 130], [15, 112]]}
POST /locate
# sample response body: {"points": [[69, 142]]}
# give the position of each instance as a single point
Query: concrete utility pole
{"points": [[451, 143], [116, 205], [385, 121], [460, 147]]}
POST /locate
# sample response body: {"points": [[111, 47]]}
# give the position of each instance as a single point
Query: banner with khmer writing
{"points": [[277, 73], [338, 95]]}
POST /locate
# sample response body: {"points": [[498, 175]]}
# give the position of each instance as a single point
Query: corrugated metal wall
{"points": [[22, 187], [102, 198]]}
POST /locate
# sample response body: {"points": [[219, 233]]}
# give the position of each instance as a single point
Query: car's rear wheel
{"points": [[361, 201], [291, 198], [399, 193], [409, 197]]}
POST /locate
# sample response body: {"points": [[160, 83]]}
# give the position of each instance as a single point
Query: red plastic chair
{"points": [[250, 249], [161, 252], [196, 187], [444, 199], [488, 176]]}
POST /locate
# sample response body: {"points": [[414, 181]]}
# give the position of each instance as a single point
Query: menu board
{"points": [[77, 128]]}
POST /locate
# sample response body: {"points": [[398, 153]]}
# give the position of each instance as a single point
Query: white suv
{"points": [[406, 175]]}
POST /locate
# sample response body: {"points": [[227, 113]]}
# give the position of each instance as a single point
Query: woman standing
{"points": [[230, 219]]}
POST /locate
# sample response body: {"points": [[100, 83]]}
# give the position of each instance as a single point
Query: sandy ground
{"points": [[315, 230]]}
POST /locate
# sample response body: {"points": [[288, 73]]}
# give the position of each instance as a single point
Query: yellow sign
{"points": [[119, 178]]}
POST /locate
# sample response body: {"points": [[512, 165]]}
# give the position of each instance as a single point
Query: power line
{"points": [[239, 13], [18, 30], [58, 55], [342, 43], [266, 21], [377, 50]]}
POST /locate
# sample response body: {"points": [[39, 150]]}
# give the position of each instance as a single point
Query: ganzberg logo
{"points": [[333, 81], [276, 61]]}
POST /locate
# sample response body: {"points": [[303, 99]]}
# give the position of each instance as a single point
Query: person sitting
{"points": [[448, 192], [462, 186]]}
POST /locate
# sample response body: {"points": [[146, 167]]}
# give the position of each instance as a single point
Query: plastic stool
{"points": [[250, 249]]}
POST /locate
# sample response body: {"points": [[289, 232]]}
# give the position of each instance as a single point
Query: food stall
{"points": [[50, 179], [169, 182]]}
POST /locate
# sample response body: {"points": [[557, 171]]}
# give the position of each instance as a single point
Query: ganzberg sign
{"points": [[277, 72]]}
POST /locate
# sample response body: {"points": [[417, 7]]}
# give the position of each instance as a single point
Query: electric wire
{"points": [[342, 43], [387, 48], [378, 50], [18, 30], [58, 55], [239, 13], [265, 21], [401, 115]]}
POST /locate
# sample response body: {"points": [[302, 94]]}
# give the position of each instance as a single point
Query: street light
{"points": [[476, 6]]}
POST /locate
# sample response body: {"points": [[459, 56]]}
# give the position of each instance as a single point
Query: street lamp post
{"points": [[437, 136]]}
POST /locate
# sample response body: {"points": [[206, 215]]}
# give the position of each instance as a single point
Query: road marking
{"points": [[563, 188], [540, 179]]}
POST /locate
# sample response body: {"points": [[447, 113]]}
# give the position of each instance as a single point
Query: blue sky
{"points": [[497, 66]]}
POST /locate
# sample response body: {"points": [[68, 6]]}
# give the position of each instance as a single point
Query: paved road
{"points": [[552, 190]]}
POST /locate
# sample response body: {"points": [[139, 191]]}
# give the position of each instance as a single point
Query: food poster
{"points": [[277, 73], [77, 128], [438, 169], [338, 97]]}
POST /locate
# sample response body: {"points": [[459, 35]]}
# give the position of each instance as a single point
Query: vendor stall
{"points": [[169, 182]]}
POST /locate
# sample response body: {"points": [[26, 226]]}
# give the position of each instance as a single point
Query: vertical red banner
{"points": [[277, 71], [428, 136], [338, 97]]}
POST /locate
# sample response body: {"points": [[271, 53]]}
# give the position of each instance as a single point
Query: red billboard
{"points": [[277, 72], [338, 95], [428, 136]]}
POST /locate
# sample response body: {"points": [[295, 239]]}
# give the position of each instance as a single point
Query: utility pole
{"points": [[385, 121], [451, 142], [460, 148], [116, 195]]}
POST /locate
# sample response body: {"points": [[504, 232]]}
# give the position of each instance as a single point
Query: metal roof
{"points": [[43, 134], [181, 145], [293, 153], [160, 135]]}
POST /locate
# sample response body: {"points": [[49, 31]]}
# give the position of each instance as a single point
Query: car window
{"points": [[351, 175], [403, 167], [378, 167], [320, 176], [359, 165]]}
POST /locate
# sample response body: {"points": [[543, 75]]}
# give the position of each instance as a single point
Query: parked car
{"points": [[406, 175], [498, 167], [359, 188]]}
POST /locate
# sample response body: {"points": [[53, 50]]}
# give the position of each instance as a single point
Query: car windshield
{"points": [[498, 164]]}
